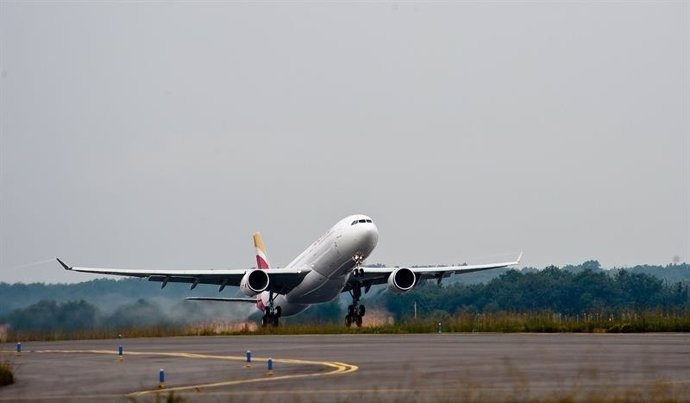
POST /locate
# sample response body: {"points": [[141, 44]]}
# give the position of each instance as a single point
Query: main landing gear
{"points": [[271, 314], [355, 312], [271, 317]]}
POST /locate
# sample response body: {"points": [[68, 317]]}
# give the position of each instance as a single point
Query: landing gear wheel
{"points": [[272, 315], [355, 311]]}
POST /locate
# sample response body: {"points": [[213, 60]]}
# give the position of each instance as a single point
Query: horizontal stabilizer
{"points": [[248, 300]]}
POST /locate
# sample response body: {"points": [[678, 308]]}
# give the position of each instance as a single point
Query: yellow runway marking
{"points": [[337, 368]]}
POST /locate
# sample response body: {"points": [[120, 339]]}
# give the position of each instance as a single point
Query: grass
{"points": [[588, 386], [545, 322], [501, 322], [655, 394], [6, 375]]}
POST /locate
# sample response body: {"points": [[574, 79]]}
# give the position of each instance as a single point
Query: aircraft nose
{"points": [[363, 239], [370, 237]]}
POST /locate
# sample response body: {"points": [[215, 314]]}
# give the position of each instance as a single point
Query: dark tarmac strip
{"points": [[425, 367]]}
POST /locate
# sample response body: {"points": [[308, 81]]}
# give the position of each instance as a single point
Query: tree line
{"points": [[571, 290]]}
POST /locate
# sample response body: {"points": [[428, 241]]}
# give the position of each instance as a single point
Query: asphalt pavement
{"points": [[423, 367]]}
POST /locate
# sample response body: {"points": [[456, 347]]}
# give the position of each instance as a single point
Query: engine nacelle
{"points": [[401, 280], [254, 282]]}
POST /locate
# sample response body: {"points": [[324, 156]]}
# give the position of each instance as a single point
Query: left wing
{"points": [[280, 280], [369, 276]]}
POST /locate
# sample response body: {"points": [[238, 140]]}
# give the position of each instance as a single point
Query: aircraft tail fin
{"points": [[261, 259]]}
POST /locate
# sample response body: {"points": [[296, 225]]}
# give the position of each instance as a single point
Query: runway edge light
{"points": [[249, 359], [19, 349], [270, 367], [161, 378], [120, 357]]}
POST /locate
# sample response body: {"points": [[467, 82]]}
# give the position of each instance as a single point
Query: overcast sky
{"points": [[162, 135]]}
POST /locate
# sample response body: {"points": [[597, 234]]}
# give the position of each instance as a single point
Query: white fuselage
{"points": [[329, 262]]}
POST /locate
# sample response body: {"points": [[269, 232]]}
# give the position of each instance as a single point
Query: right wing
{"points": [[280, 281], [379, 275]]}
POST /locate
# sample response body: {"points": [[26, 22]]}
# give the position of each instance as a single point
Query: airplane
{"points": [[329, 266]]}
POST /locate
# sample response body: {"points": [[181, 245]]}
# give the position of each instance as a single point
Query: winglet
{"points": [[63, 264], [519, 257]]}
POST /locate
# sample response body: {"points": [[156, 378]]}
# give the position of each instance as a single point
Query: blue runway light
{"points": [[249, 359], [270, 367], [19, 348], [119, 353], [161, 378]]}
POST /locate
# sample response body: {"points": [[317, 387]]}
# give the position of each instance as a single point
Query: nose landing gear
{"points": [[355, 312]]}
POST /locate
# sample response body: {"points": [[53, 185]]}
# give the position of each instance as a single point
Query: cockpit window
{"points": [[362, 221]]}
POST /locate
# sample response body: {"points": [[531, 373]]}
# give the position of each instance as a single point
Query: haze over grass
{"points": [[523, 300]]}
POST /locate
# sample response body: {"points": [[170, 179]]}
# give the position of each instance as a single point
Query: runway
{"points": [[425, 367]]}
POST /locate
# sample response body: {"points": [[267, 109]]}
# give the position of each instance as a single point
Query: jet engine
{"points": [[401, 280], [254, 282]]}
